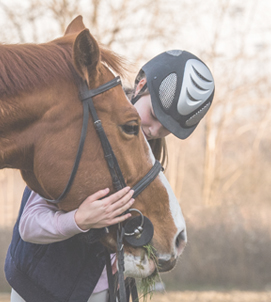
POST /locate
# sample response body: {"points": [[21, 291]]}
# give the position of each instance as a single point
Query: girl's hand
{"points": [[98, 213]]}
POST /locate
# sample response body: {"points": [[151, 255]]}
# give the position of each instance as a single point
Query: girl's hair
{"points": [[158, 145], [159, 149]]}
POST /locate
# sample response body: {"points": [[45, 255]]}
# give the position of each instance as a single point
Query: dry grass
{"points": [[213, 296], [189, 296]]}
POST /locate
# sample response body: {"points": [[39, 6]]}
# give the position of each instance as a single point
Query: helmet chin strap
{"points": [[138, 96]]}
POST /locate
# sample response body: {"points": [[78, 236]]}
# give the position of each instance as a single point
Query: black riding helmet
{"points": [[181, 88]]}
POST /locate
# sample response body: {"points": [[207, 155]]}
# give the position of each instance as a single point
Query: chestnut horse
{"points": [[40, 126]]}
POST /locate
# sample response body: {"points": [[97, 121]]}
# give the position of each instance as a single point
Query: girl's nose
{"points": [[157, 130], [154, 131]]}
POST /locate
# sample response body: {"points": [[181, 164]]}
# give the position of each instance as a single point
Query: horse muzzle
{"points": [[166, 265]]}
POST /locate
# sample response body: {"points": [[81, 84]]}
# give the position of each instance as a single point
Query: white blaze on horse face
{"points": [[176, 214], [141, 266], [177, 217]]}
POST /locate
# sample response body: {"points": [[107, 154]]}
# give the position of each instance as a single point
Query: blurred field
{"points": [[210, 296], [4, 297]]}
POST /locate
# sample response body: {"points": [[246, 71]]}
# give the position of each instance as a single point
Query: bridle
{"points": [[138, 230]]}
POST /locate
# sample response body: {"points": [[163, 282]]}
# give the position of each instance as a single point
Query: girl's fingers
{"points": [[123, 201], [108, 209], [118, 195], [98, 195], [120, 218], [123, 208]]}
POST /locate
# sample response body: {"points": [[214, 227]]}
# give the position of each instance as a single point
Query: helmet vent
{"points": [[197, 87], [190, 96], [167, 90], [200, 75], [196, 84]]}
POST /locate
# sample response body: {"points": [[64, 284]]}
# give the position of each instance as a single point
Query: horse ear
{"points": [[75, 26], [86, 53]]}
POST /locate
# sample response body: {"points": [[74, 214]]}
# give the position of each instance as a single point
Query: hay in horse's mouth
{"points": [[147, 284]]}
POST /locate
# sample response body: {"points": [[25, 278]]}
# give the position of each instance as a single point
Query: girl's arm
{"points": [[43, 223]]}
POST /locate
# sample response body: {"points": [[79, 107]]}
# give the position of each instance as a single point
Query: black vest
{"points": [[63, 271]]}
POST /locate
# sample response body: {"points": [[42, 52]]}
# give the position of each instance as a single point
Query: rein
{"points": [[138, 230]]}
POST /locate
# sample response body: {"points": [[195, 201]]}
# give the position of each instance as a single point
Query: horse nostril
{"points": [[181, 241]]}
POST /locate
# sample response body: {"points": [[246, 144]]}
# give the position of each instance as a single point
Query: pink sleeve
{"points": [[43, 223]]}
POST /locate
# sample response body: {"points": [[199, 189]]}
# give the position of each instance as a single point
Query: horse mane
{"points": [[28, 66], [114, 61]]}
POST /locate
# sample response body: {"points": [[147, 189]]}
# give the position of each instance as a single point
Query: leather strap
{"points": [[86, 97], [147, 179], [111, 283], [139, 95], [78, 156]]}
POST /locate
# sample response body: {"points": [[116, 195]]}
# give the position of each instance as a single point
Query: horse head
{"points": [[41, 121]]}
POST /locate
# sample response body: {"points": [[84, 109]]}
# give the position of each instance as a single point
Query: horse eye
{"points": [[130, 129]]}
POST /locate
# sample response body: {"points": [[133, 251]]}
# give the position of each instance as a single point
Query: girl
{"points": [[49, 260]]}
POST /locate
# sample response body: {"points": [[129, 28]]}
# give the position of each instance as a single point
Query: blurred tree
{"points": [[136, 26], [240, 105]]}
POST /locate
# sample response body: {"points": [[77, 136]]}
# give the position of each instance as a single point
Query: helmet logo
{"points": [[197, 86], [174, 52]]}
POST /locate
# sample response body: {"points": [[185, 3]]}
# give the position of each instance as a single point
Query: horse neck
{"points": [[20, 117]]}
